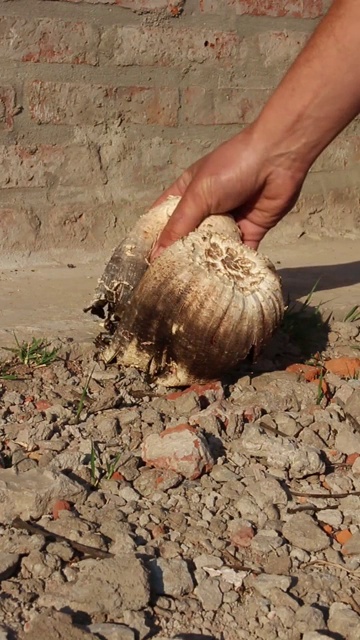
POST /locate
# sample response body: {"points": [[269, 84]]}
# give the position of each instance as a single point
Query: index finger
{"points": [[187, 216]]}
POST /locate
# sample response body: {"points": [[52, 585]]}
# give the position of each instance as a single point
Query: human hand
{"points": [[240, 177]]}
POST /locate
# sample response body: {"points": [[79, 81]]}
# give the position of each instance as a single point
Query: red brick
{"points": [[47, 40], [151, 46], [271, 8], [221, 106], [7, 108], [84, 104], [41, 166]]}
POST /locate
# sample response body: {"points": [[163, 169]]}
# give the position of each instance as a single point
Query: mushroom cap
{"points": [[199, 309]]}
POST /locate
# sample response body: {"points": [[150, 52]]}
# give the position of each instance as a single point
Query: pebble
{"points": [[209, 593], [8, 564], [303, 532], [344, 621], [32, 493], [266, 583], [108, 631], [170, 577]]}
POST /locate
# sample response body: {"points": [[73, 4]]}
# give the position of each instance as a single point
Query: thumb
{"points": [[189, 213]]}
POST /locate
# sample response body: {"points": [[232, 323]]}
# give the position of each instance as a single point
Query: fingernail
{"points": [[156, 252]]}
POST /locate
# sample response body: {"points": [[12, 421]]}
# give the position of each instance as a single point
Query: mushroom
{"points": [[193, 314]]}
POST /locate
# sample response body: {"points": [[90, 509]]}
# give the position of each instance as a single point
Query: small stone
{"points": [[170, 577], [266, 583], [332, 517], [352, 405], [343, 620], [303, 532], [31, 494], [352, 545], [60, 505], [101, 587], [151, 480], [221, 473], [286, 424], [347, 440], [43, 625], [128, 494], [209, 594], [279, 453], [8, 564], [309, 618], [109, 631], [180, 449], [137, 620], [186, 403], [204, 560], [107, 428], [128, 417]]}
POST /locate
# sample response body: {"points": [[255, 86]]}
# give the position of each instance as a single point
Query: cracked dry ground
{"points": [[225, 511]]}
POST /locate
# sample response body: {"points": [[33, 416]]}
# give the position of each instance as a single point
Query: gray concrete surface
{"points": [[48, 300]]}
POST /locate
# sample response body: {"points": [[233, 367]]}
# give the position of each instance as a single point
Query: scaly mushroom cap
{"points": [[197, 310]]}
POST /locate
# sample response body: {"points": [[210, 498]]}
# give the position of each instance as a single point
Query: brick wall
{"points": [[104, 102]]}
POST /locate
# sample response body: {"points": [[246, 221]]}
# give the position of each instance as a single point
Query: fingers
{"points": [[190, 212], [252, 233]]}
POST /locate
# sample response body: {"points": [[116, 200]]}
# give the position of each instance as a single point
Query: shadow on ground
{"points": [[300, 280]]}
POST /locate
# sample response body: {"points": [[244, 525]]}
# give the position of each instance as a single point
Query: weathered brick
{"points": [[272, 8], [221, 106], [332, 212], [150, 46], [48, 40], [279, 48], [46, 165], [173, 7], [84, 104], [71, 225], [62, 225], [7, 108], [344, 151], [19, 227], [280, 8], [140, 167]]}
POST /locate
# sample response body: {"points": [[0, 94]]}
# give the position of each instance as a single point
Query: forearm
{"points": [[319, 95]]}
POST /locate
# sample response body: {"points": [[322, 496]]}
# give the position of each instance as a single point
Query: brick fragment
{"points": [[179, 449]]}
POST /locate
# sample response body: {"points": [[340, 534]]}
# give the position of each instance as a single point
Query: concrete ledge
{"points": [[47, 301]]}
